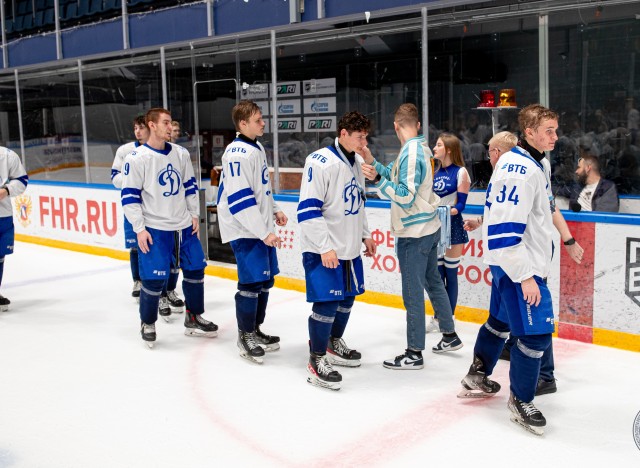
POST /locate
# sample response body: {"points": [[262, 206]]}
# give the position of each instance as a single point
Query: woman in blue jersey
{"points": [[451, 183]]}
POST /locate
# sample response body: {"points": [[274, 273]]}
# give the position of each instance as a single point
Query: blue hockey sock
{"points": [[263, 299], [490, 342], [149, 298], [320, 323], [524, 369], [247, 305], [451, 281], [1, 268], [193, 289], [135, 265], [342, 317], [173, 279]]}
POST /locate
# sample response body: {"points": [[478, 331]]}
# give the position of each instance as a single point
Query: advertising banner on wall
{"points": [[289, 107], [319, 87], [72, 214], [326, 105], [289, 124], [320, 124], [288, 89]]}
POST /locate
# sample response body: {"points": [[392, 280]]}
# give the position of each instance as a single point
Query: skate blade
{"points": [[4, 308], [166, 318], [337, 361], [316, 382], [137, 299], [149, 344], [533, 429], [270, 348], [199, 333], [176, 310], [474, 394], [254, 359]]}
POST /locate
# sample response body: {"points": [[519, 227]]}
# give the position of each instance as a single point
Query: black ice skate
{"points": [[267, 342], [4, 303], [321, 374], [196, 325], [135, 292], [176, 304], [148, 333], [546, 386], [476, 384], [249, 347], [164, 310], [339, 354], [526, 415]]}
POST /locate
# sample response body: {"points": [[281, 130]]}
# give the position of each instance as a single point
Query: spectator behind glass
{"points": [[594, 193]]}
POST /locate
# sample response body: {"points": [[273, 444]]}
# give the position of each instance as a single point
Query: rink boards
{"points": [[595, 302]]}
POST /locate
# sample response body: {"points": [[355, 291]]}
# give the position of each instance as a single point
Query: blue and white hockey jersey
{"points": [[245, 200], [517, 227], [118, 162], [331, 212], [446, 181], [14, 179], [159, 189]]}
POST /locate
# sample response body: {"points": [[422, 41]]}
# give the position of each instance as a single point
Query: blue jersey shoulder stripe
{"points": [[238, 207], [131, 191], [239, 195], [505, 228], [306, 215], [502, 242], [310, 203]]}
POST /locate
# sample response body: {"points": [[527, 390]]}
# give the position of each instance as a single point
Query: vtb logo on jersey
{"points": [[632, 272], [352, 197], [170, 178]]}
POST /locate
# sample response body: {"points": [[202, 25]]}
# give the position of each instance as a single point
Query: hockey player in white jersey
{"points": [[141, 133], [331, 215], [160, 198], [517, 230], [246, 212], [14, 182]]}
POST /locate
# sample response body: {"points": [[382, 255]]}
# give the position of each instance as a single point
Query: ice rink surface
{"points": [[78, 388]]}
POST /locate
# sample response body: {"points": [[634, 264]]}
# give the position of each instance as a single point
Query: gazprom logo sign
{"points": [[325, 105], [288, 107]]}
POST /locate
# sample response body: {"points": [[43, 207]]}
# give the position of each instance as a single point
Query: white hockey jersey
{"points": [[118, 162], [14, 179], [518, 228], [159, 189], [331, 212], [245, 200]]}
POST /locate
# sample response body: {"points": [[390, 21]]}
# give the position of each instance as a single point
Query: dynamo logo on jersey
{"points": [[352, 197], [438, 185], [169, 178]]}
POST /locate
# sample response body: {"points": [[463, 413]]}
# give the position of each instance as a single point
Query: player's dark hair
{"points": [[153, 115], [139, 120], [243, 111], [354, 121]]}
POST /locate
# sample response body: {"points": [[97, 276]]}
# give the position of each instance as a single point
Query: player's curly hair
{"points": [[139, 120], [354, 121], [533, 115]]}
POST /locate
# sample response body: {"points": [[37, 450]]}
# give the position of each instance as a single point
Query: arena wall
{"points": [[595, 302]]}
